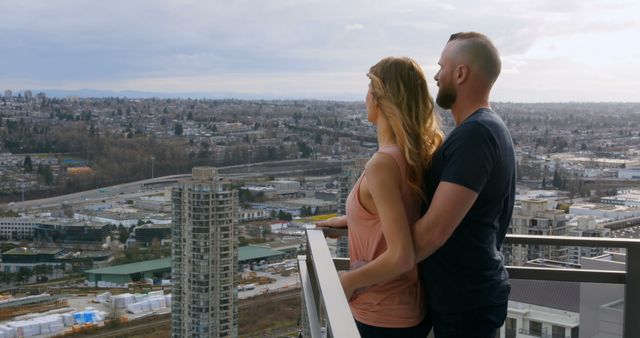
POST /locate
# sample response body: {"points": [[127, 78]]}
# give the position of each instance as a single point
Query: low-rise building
{"points": [[121, 275], [148, 233], [253, 214], [586, 227], [532, 217], [14, 259], [17, 228], [610, 211], [629, 173], [624, 197]]}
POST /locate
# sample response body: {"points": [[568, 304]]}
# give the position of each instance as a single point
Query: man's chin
{"points": [[444, 105]]}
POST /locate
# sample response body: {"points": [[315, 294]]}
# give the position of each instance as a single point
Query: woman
{"points": [[382, 286]]}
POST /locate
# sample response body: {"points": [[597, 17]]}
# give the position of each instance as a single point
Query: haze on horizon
{"points": [[552, 51]]}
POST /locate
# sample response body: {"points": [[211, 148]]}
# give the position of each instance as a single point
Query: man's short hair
{"points": [[480, 52]]}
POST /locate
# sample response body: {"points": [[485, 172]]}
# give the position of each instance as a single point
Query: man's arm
{"points": [[451, 203]]}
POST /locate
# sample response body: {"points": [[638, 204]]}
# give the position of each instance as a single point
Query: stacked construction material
{"points": [[152, 302], [103, 297], [49, 324], [121, 301], [105, 284], [8, 332]]}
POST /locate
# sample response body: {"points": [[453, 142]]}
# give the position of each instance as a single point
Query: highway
{"points": [[155, 185]]}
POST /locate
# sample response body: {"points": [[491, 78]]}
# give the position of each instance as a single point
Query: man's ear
{"points": [[461, 73]]}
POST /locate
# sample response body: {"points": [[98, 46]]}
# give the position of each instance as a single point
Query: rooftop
{"points": [[32, 251], [127, 269], [246, 253]]}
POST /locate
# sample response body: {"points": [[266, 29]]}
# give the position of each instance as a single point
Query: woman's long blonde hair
{"points": [[399, 88]]}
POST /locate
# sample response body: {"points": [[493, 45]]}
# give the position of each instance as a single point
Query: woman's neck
{"points": [[385, 133]]}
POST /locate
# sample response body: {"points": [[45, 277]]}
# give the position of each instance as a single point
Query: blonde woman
{"points": [[383, 286]]}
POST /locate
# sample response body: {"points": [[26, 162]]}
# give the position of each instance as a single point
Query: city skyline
{"points": [[551, 51]]}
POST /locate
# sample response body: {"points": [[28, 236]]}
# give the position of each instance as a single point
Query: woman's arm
{"points": [[383, 181]]}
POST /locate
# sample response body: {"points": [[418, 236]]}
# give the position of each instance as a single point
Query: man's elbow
{"points": [[427, 246]]}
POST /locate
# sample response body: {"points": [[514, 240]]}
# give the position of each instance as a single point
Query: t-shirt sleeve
{"points": [[470, 157]]}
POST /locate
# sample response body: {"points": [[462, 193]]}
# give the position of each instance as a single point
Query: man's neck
{"points": [[462, 109]]}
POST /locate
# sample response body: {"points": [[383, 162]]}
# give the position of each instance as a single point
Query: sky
{"points": [[552, 50]]}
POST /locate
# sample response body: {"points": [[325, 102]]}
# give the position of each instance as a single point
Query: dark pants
{"points": [[478, 323], [419, 331]]}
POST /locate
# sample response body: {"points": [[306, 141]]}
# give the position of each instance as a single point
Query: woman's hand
{"points": [[348, 291], [333, 222]]}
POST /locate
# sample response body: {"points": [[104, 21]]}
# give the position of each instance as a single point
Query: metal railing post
{"points": [[632, 294]]}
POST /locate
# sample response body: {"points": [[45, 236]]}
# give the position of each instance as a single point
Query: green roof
{"points": [[246, 253], [127, 269], [32, 251]]}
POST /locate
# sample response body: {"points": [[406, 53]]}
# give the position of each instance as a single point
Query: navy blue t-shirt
{"points": [[468, 271]]}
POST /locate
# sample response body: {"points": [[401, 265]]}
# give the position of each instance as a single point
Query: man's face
{"points": [[447, 92]]}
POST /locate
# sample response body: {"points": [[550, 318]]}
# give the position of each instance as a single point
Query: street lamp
{"points": [[152, 158]]}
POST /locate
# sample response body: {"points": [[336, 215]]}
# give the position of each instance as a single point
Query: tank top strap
{"points": [[395, 151]]}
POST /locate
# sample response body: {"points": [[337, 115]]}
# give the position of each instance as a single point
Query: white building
{"points": [[609, 211], [625, 197], [532, 217], [542, 309], [527, 320], [586, 227], [284, 187], [17, 228], [630, 173], [247, 215]]}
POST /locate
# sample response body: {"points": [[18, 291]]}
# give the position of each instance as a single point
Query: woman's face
{"points": [[372, 111]]}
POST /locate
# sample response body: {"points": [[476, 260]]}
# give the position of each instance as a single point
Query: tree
{"points": [[177, 129], [24, 274], [285, 216], [27, 165], [42, 270], [304, 149], [45, 172], [123, 235]]}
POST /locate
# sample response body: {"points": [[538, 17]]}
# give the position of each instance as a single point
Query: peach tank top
{"points": [[399, 302]]}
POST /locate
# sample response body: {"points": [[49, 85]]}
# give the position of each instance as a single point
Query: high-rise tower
{"points": [[205, 256], [347, 180]]}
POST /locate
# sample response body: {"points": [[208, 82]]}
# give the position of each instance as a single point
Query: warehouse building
{"points": [[158, 269], [122, 274]]}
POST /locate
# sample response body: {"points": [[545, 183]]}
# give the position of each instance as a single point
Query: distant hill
{"points": [[94, 93]]}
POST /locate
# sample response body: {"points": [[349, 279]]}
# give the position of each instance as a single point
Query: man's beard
{"points": [[446, 97]]}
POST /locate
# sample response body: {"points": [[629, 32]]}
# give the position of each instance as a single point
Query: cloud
{"points": [[151, 44], [354, 27]]}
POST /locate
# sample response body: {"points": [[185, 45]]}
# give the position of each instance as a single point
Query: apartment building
{"points": [[346, 181], [205, 256], [533, 217]]}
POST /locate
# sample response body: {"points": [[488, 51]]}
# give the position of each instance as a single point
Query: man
{"points": [[471, 188]]}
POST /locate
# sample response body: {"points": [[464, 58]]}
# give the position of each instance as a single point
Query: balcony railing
{"points": [[327, 309]]}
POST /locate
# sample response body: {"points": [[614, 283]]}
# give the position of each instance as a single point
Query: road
{"points": [[155, 185]]}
